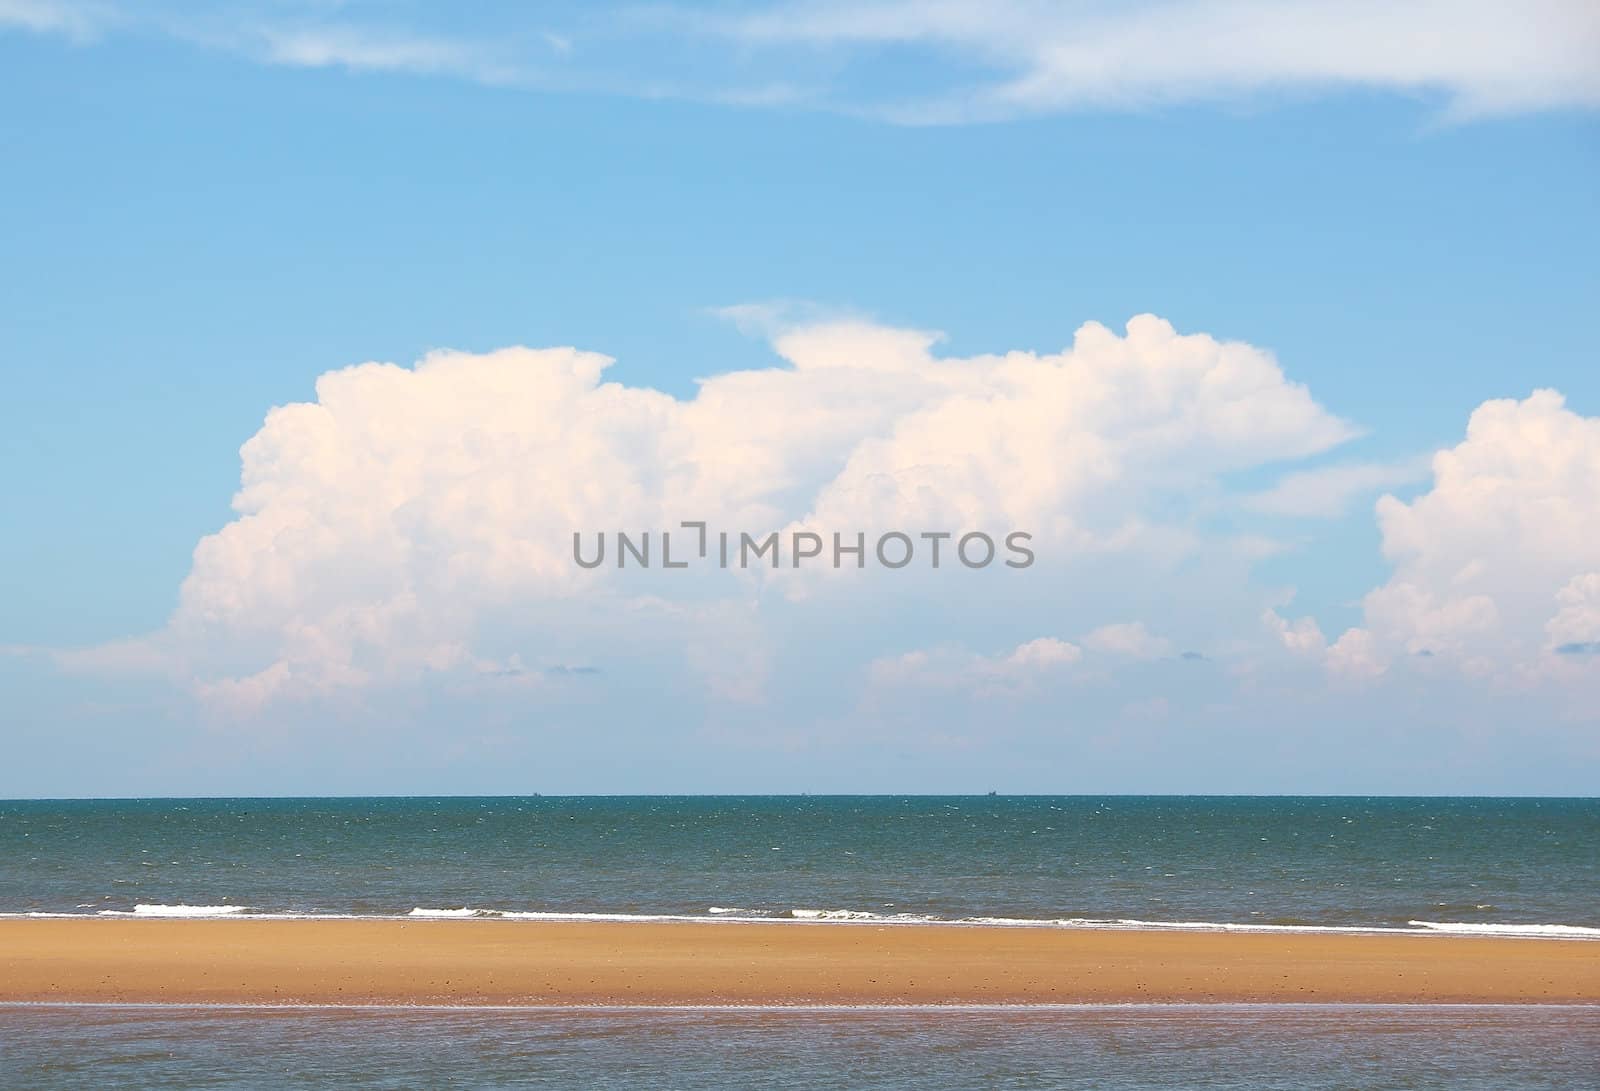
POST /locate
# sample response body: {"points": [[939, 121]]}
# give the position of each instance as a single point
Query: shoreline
{"points": [[488, 962], [1530, 930], [1109, 1007]]}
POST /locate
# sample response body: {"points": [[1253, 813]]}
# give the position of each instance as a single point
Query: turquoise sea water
{"points": [[1288, 862]]}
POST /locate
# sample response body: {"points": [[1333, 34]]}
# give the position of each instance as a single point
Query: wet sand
{"points": [[525, 962]]}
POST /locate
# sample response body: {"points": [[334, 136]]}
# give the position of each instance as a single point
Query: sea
{"points": [[1522, 867]]}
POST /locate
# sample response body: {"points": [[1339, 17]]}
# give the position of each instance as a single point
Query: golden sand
{"points": [[525, 962]]}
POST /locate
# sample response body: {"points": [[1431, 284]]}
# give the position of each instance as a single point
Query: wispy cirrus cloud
{"points": [[75, 20], [1007, 58], [364, 50], [930, 62], [295, 36]]}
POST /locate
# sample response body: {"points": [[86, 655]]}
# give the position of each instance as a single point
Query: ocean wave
{"points": [[844, 916], [538, 915], [452, 913], [156, 910], [838, 915], [1573, 930], [805, 915]]}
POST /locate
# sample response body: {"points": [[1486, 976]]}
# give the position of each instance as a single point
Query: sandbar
{"points": [[487, 962]]}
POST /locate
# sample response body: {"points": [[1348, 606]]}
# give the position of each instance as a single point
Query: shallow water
{"points": [[1150, 1047]]}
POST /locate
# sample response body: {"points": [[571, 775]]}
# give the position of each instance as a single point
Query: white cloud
{"points": [[1017, 672], [1487, 57], [1353, 656], [1302, 636], [364, 50], [406, 536], [969, 674], [1329, 491], [271, 34], [416, 523], [1067, 445], [413, 522], [1043, 654], [1575, 629], [974, 60], [1128, 638], [74, 20], [1495, 566]]}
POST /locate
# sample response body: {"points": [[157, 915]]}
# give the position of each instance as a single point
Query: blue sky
{"points": [[206, 209]]}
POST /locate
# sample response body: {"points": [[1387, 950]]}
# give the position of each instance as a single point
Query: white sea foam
{"points": [[1573, 930], [841, 916], [834, 915], [534, 915], [447, 913], [1030, 922], [143, 910]]}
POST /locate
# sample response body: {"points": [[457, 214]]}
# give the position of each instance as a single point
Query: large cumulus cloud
{"points": [[1496, 567], [417, 521]]}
